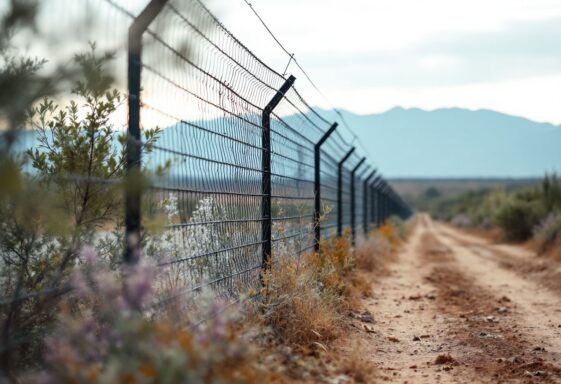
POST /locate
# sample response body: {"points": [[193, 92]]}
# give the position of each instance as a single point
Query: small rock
{"points": [[540, 349], [516, 360], [425, 336], [430, 297], [366, 317], [483, 334], [539, 373], [502, 309], [413, 367], [393, 339], [445, 359], [416, 338], [490, 319], [504, 299], [415, 297]]}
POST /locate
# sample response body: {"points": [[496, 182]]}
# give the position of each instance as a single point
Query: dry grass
{"points": [[306, 300], [295, 308], [357, 366], [306, 304], [370, 260], [555, 251], [373, 254]]}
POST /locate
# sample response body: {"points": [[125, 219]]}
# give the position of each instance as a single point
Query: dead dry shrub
{"points": [[357, 287], [373, 253], [305, 301], [296, 309], [333, 263]]}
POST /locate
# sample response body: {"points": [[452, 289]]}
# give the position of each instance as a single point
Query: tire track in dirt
{"points": [[447, 313], [410, 333], [539, 308], [543, 271], [511, 323]]}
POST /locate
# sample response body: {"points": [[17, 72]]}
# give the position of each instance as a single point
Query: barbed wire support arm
{"points": [[365, 200], [353, 198], [317, 184], [340, 191], [383, 203], [266, 217], [374, 201], [134, 143]]}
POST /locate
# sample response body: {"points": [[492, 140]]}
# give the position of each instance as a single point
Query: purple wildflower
{"points": [[88, 255]]}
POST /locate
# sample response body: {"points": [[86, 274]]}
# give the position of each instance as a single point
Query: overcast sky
{"points": [[371, 55]]}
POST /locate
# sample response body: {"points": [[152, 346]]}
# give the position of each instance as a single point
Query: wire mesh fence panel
{"points": [[292, 152], [346, 199], [205, 90], [202, 98], [332, 152]]}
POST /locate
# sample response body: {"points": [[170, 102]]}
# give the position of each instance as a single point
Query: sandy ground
{"points": [[454, 308]]}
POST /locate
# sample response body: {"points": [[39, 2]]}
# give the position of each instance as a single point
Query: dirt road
{"points": [[456, 309]]}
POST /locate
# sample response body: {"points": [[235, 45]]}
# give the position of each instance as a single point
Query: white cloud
{"points": [[537, 98], [438, 61], [367, 43]]}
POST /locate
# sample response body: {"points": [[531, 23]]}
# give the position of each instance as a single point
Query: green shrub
{"points": [[551, 192], [477, 208], [518, 218], [548, 232]]}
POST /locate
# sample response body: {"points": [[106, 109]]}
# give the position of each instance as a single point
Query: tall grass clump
{"points": [[302, 296], [378, 248], [305, 299], [375, 251]]}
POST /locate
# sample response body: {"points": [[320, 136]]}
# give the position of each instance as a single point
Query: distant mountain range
{"points": [[455, 142], [414, 143]]}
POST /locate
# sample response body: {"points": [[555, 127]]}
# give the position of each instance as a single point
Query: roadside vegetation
{"points": [[105, 331], [527, 214]]}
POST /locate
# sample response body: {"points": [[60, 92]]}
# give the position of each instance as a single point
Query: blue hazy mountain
{"points": [[442, 143], [455, 142]]}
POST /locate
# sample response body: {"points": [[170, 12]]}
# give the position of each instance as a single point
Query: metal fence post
{"points": [[353, 218], [133, 193], [340, 191], [317, 184], [361, 176], [383, 204], [386, 203], [373, 207], [379, 202], [365, 201], [266, 217]]}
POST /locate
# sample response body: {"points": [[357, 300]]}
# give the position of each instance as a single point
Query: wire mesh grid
{"points": [[202, 211]]}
